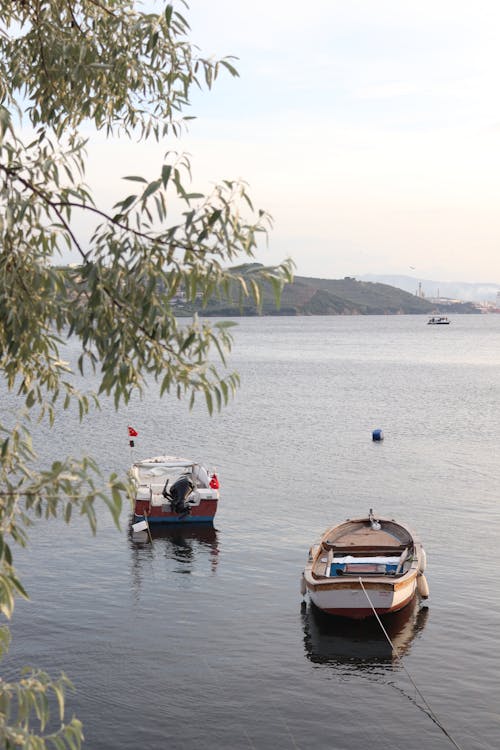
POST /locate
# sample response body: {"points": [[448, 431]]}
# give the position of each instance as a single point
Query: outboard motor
{"points": [[179, 493]]}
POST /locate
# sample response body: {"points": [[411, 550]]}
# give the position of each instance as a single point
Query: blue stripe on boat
{"points": [[186, 519]]}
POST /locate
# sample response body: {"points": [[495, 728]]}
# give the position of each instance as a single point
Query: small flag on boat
{"points": [[214, 482]]}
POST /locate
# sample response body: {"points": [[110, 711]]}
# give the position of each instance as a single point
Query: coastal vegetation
{"points": [[68, 69], [316, 296]]}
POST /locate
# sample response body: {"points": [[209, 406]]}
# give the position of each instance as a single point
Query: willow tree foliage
{"points": [[65, 64]]}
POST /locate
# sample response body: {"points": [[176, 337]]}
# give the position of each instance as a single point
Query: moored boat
{"points": [[365, 566], [169, 489]]}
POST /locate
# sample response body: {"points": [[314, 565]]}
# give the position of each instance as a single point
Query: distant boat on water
{"points": [[438, 320]]}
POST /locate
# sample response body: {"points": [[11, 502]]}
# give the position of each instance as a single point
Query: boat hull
{"points": [[202, 513], [352, 602]]}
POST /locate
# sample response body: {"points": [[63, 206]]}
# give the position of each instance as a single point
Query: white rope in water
{"points": [[429, 709]]}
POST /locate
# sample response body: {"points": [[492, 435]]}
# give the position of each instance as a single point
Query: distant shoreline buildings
{"points": [[486, 306]]}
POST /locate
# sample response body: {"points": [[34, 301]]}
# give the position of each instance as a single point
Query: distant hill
{"points": [[348, 296], [469, 292]]}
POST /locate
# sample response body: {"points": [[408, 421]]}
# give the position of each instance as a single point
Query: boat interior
{"points": [[364, 548], [153, 478]]}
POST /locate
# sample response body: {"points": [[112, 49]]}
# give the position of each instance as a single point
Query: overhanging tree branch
{"points": [[133, 74]]}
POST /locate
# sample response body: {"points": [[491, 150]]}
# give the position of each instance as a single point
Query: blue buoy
{"points": [[377, 435]]}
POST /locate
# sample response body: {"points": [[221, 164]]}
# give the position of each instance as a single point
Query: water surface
{"points": [[201, 639]]}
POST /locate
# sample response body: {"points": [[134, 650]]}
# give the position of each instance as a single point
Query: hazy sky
{"points": [[370, 129]]}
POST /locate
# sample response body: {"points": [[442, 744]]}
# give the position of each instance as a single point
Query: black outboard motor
{"points": [[179, 493]]}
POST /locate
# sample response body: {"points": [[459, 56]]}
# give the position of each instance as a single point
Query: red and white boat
{"points": [[365, 566], [169, 489]]}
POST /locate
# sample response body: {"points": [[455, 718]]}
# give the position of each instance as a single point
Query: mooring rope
{"points": [[419, 692]]}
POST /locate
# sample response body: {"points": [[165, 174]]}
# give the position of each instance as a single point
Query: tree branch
{"points": [[119, 305]]}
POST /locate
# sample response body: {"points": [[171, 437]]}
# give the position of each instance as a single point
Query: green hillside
{"points": [[311, 296]]}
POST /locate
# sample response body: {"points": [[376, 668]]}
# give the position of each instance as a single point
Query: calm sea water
{"points": [[201, 639]]}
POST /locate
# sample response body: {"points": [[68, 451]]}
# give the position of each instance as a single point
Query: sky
{"points": [[369, 129]]}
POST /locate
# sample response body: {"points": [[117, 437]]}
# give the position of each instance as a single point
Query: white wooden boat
{"points": [[365, 566]]}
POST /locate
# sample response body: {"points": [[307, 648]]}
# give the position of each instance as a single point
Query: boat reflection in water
{"points": [[182, 547], [361, 643]]}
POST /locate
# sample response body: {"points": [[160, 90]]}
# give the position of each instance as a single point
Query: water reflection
{"points": [[183, 547], [360, 643]]}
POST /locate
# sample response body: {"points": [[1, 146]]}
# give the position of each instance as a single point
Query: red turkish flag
{"points": [[132, 432]]}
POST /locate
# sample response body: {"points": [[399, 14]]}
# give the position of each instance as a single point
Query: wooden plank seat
{"points": [[362, 550]]}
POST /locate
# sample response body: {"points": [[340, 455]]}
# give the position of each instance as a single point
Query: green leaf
{"points": [[123, 205], [230, 67], [187, 343], [151, 188], [209, 401], [19, 587], [134, 178], [165, 173]]}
